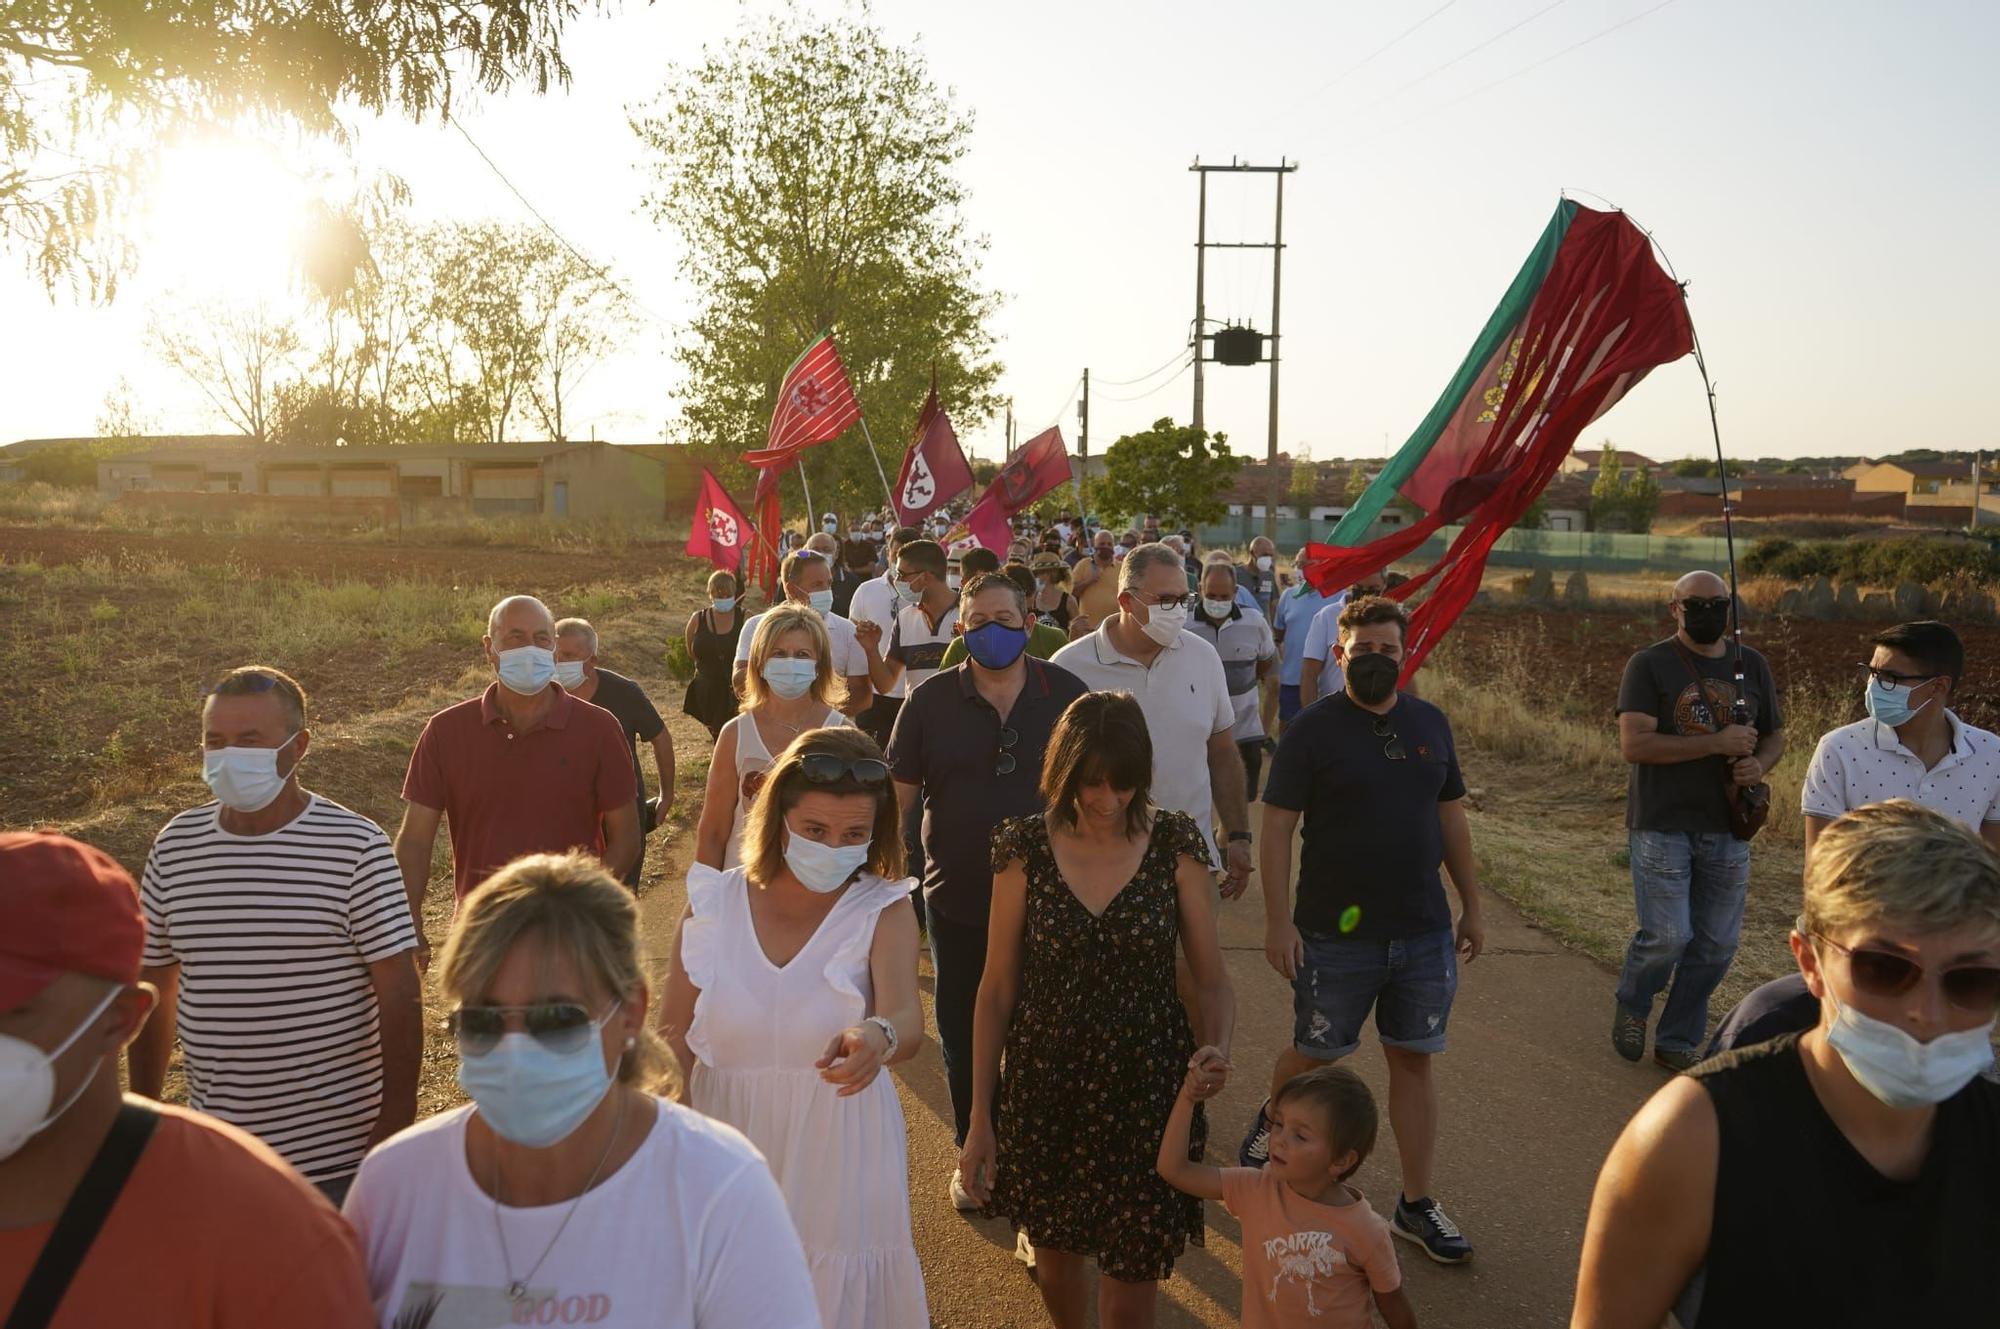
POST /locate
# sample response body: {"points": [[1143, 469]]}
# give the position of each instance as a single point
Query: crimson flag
{"points": [[815, 403], [934, 469], [721, 533], [1039, 465], [1588, 316]]}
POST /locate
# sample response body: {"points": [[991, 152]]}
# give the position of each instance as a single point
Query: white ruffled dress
{"points": [[842, 1163]]}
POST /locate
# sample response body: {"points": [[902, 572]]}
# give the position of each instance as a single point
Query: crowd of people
{"points": [[1053, 751]]}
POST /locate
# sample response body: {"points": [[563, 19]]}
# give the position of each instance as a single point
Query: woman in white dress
{"points": [[794, 983], [789, 688]]}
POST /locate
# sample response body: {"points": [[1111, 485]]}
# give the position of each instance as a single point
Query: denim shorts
{"points": [[1409, 982], [1288, 702]]}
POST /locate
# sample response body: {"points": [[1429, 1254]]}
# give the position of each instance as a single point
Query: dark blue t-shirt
{"points": [[1372, 839]]}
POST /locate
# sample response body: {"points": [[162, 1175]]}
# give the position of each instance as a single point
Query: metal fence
{"points": [[1593, 551]]}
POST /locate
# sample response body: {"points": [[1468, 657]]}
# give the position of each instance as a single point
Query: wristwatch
{"points": [[1244, 836], [888, 1032]]}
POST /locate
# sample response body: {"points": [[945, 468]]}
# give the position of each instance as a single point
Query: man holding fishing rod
{"points": [[1698, 721]]}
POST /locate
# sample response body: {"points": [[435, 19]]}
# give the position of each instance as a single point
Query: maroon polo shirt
{"points": [[507, 794]]}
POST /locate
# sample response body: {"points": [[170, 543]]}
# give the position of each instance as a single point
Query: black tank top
{"points": [[1806, 1232]]}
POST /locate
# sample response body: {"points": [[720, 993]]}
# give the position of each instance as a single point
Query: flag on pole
{"points": [[1037, 466], [815, 403], [721, 533], [1588, 316], [934, 469]]}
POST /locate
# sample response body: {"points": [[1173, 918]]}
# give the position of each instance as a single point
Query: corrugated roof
{"points": [[386, 453]]}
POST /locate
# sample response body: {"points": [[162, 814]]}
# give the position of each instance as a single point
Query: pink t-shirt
{"points": [[1306, 1263]]}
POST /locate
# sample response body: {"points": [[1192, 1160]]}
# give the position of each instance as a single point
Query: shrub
{"points": [[1876, 562]]}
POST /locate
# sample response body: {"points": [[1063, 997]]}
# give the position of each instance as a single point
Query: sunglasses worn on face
{"points": [[1393, 749], [825, 768], [1886, 974], [559, 1026], [1718, 604]]}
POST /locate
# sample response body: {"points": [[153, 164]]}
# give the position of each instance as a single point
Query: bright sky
{"points": [[1821, 170]]}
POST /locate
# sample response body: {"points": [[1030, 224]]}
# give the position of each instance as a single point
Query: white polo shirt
{"points": [[875, 601], [1186, 701], [849, 660], [1866, 762], [1243, 641], [1321, 634]]}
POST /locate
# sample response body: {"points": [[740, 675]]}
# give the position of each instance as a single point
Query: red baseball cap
{"points": [[69, 909]]}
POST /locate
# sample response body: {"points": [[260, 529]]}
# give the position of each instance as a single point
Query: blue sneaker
{"points": [[1256, 1150], [1423, 1222]]}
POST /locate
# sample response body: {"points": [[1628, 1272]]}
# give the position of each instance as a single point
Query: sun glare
{"points": [[226, 216]]}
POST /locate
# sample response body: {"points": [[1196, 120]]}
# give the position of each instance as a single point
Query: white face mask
{"points": [[1216, 608], [569, 673], [28, 1083], [526, 669], [1164, 625], [823, 868], [1263, 562], [822, 601], [1892, 1065], [789, 676], [245, 779]]}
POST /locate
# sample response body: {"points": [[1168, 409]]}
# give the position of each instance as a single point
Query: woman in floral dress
{"points": [[1090, 900]]}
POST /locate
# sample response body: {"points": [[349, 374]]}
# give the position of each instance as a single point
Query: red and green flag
{"points": [[1590, 314], [815, 403]]}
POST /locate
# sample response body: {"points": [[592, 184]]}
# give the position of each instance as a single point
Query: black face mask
{"points": [[1704, 626], [1372, 677]]}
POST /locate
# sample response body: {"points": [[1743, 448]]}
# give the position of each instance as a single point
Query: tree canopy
{"points": [[88, 89], [810, 168], [1175, 473]]}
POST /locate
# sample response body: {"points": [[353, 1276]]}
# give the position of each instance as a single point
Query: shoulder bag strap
{"points": [[1700, 683], [82, 1217]]}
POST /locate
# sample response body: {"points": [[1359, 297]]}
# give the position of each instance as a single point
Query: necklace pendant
{"points": [[516, 1290]]}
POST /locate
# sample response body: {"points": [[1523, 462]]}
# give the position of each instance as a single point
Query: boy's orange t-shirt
{"points": [[211, 1231], [1306, 1263]]}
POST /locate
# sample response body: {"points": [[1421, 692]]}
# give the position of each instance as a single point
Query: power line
{"points": [[1467, 54], [1157, 388], [1169, 363], [598, 270]]}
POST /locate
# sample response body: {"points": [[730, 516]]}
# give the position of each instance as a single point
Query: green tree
{"points": [[1356, 484], [89, 89], [810, 168], [1621, 500], [1691, 468], [1304, 488], [1174, 473]]}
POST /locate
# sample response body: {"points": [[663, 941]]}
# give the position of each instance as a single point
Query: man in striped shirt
{"points": [[280, 939]]}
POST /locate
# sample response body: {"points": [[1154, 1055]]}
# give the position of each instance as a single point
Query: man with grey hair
{"points": [[1145, 649], [523, 768], [581, 676]]}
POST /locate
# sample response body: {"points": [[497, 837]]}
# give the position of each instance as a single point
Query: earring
{"points": [[630, 1042]]}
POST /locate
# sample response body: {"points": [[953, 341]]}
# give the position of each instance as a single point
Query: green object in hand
{"points": [[1350, 918]]}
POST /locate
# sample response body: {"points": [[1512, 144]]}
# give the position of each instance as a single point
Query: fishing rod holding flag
{"points": [[1740, 712]]}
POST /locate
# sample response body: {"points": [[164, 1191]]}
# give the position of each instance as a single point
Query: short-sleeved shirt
{"points": [[274, 935], [1243, 641], [1296, 608], [947, 742], [918, 644], [1043, 642], [875, 602], [1260, 587], [211, 1231], [1306, 1263], [1866, 762], [507, 794], [636, 714], [1321, 636], [1368, 868], [1660, 681], [1186, 701], [849, 659]]}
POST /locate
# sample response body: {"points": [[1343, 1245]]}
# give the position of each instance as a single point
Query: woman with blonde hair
{"points": [[794, 983], [566, 1192], [789, 688], [710, 638]]}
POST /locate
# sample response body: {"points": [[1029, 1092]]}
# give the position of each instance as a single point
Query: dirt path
{"points": [[1532, 1098]]}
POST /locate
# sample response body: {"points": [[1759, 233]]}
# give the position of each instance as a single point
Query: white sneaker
{"points": [[1024, 1250], [961, 1198]]}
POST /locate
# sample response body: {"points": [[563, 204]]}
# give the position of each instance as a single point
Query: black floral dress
{"points": [[1095, 1057]]}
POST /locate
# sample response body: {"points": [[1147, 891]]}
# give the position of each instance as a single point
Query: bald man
{"points": [[523, 768], [1694, 742]]}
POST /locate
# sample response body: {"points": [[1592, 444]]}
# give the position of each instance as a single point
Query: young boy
{"points": [[1312, 1247]]}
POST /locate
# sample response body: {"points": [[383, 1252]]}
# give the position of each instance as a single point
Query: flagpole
{"points": [[812, 522], [882, 474]]}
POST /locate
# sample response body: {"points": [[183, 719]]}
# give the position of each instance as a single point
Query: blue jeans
{"points": [[1409, 984], [1689, 888]]}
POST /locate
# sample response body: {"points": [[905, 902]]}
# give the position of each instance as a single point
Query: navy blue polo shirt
{"points": [[1372, 840], [947, 742]]}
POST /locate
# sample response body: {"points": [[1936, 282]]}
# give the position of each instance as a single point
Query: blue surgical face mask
{"points": [[569, 673], [789, 676], [527, 669], [723, 606], [533, 1095], [823, 868], [821, 601], [995, 645], [1891, 705], [1892, 1065]]}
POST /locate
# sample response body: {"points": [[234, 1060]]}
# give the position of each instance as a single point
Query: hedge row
{"points": [[1875, 562]]}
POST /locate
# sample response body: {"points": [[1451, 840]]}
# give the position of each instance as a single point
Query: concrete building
{"points": [[1583, 458], [583, 480]]}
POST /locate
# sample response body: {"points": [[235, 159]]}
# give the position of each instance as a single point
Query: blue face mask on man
{"points": [[995, 645], [1889, 704]]}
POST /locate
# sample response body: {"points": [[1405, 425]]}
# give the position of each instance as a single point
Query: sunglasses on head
{"points": [[825, 768], [1974, 987], [243, 683], [559, 1026]]}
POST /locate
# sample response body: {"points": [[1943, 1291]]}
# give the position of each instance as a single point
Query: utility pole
{"points": [[1083, 444], [1978, 465], [1010, 428], [1275, 483]]}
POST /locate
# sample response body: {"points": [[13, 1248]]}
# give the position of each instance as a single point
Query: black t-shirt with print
{"points": [[636, 714], [1660, 682]]}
